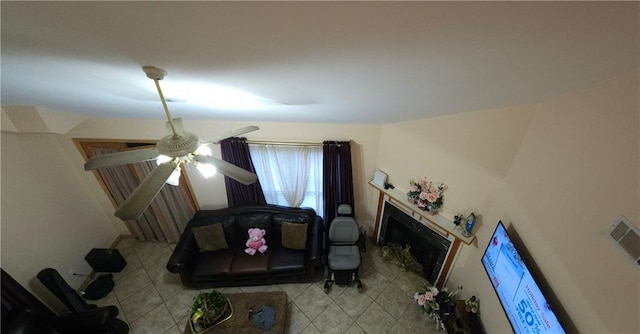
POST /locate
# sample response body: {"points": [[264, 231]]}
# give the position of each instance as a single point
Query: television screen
{"points": [[522, 300]]}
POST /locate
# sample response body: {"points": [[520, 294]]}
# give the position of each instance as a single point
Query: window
{"points": [[290, 175]]}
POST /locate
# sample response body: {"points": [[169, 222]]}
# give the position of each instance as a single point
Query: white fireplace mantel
{"points": [[438, 222]]}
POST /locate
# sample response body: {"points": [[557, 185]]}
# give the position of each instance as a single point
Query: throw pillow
{"points": [[294, 236], [210, 237]]}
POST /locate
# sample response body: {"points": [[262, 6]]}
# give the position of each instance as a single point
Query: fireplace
{"points": [[427, 246], [435, 241]]}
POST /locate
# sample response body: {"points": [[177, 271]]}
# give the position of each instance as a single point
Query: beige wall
{"points": [[470, 152], [48, 218], [560, 172], [575, 172]]}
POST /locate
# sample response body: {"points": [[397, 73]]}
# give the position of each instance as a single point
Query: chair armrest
{"points": [[184, 254]]}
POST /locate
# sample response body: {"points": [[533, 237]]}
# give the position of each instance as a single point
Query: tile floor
{"points": [[152, 300]]}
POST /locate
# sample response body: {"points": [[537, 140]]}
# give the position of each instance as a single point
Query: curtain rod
{"points": [[283, 143]]}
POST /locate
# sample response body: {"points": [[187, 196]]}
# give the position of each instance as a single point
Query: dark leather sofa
{"points": [[232, 266], [23, 313]]}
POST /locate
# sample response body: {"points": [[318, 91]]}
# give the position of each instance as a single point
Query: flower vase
{"points": [[439, 324], [432, 209], [411, 200], [443, 314]]}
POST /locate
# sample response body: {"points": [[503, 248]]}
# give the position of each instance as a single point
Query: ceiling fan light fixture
{"points": [[204, 150], [163, 159], [206, 170], [174, 178]]}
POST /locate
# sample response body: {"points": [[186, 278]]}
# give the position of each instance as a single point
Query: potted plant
{"points": [[207, 309]]}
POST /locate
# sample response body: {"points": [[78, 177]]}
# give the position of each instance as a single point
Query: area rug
{"points": [[241, 303]]}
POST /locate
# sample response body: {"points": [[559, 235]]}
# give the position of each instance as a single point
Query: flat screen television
{"points": [[523, 302]]}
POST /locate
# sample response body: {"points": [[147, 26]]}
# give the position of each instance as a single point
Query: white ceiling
{"points": [[348, 62]]}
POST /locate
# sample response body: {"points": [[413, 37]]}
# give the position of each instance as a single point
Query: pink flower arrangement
{"points": [[431, 301], [427, 194]]}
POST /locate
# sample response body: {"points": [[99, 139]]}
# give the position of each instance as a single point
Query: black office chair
{"points": [[52, 280], [23, 313]]}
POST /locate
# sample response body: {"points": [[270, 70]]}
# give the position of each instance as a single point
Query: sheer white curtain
{"points": [[290, 175], [262, 164], [314, 197]]}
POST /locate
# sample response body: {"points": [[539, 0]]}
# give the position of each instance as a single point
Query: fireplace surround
{"points": [[435, 241]]}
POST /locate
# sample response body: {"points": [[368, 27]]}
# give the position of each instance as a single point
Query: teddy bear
{"points": [[256, 241]]}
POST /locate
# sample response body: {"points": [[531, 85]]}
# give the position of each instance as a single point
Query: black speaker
{"points": [[105, 260]]}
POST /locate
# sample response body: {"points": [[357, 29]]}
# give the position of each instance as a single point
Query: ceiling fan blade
{"points": [[239, 174], [121, 158], [217, 139], [142, 196]]}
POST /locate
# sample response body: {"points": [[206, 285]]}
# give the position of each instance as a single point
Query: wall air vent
{"points": [[627, 237]]}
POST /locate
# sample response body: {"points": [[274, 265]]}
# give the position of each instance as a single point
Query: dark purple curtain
{"points": [[236, 151], [337, 177]]}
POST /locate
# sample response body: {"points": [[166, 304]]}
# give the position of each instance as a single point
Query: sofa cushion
{"points": [[228, 224], [279, 219], [210, 265], [253, 220], [284, 260], [210, 237], [294, 235], [245, 264]]}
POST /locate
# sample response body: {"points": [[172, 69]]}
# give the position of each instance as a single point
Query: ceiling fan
{"points": [[171, 152]]}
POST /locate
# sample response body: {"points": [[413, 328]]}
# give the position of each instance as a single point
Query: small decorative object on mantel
{"points": [[426, 194], [380, 178], [437, 304], [457, 220], [208, 309], [469, 224]]}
